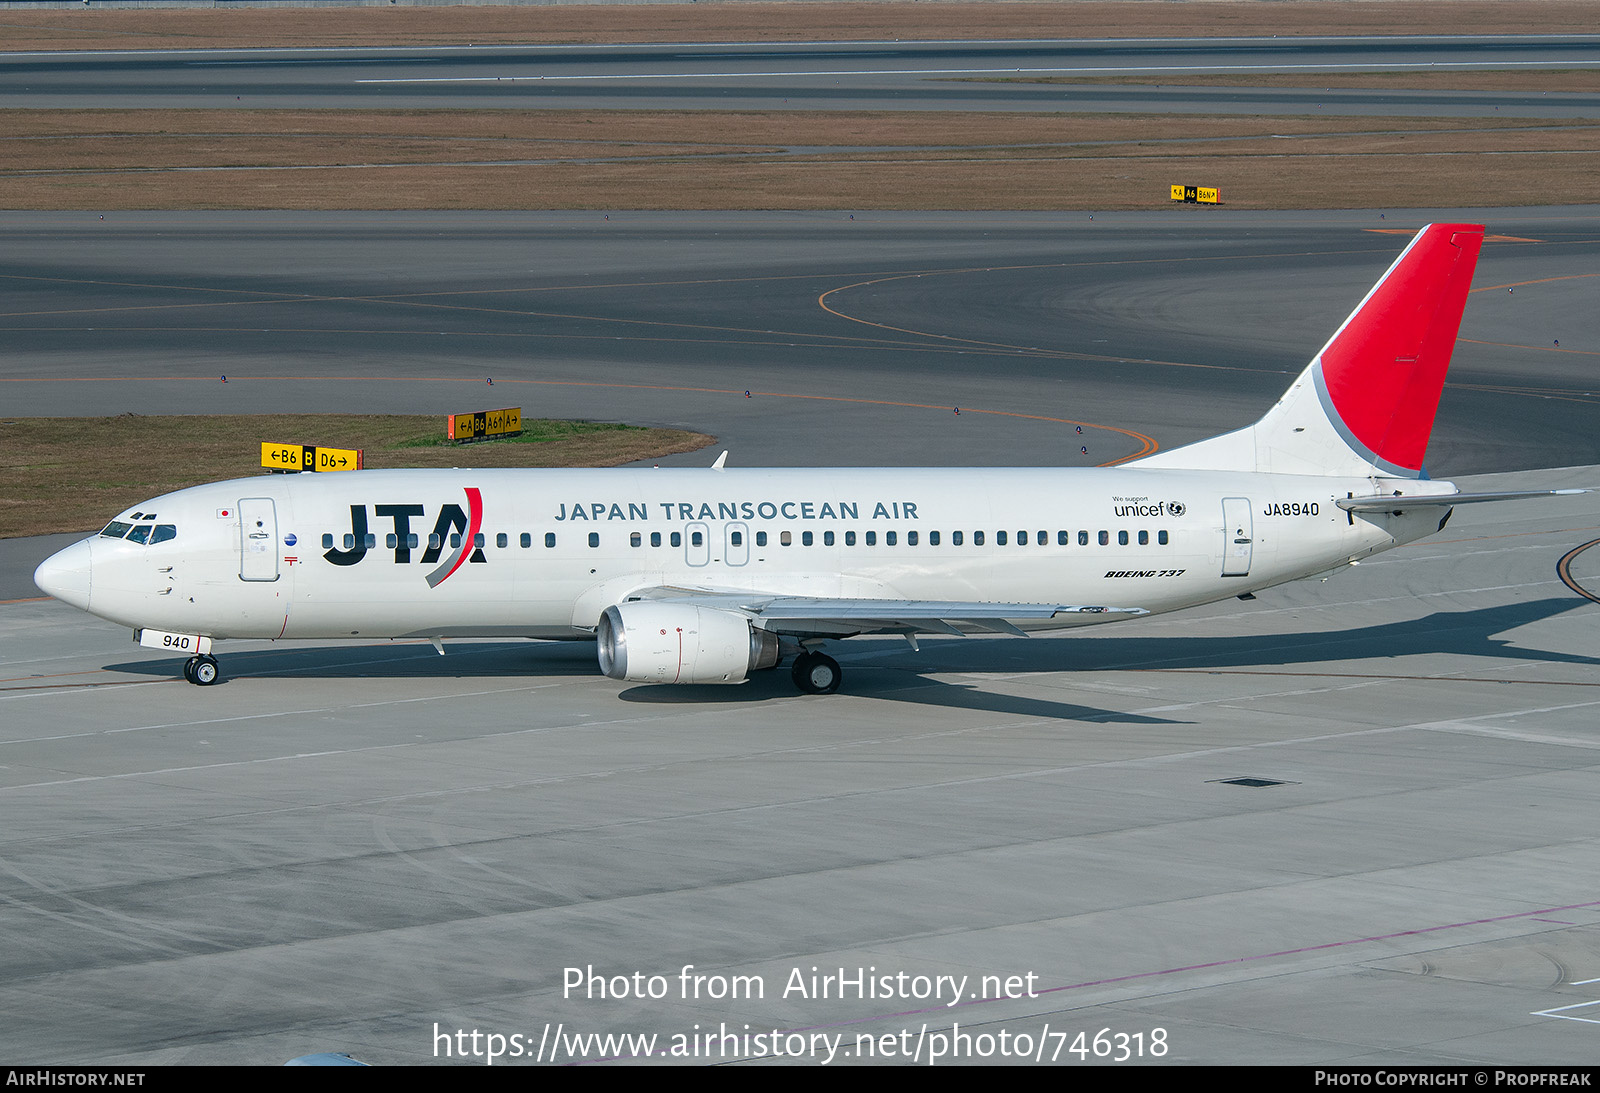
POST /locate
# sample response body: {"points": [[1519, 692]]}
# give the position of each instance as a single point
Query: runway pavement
{"points": [[965, 75], [364, 848]]}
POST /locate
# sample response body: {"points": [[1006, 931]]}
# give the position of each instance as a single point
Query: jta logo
{"points": [[464, 525]]}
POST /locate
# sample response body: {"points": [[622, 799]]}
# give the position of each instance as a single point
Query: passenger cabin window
{"points": [[933, 538], [955, 538], [655, 538], [594, 538], [636, 539], [549, 538], [911, 538], [501, 541], [1161, 537], [1083, 538], [526, 540], [977, 538], [889, 538], [827, 538], [849, 538], [1122, 538], [1105, 538]]}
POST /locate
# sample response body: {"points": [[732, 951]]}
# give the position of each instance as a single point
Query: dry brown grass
{"points": [[240, 159], [73, 474], [753, 22]]}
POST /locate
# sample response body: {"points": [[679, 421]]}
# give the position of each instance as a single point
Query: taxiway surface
{"points": [[358, 847]]}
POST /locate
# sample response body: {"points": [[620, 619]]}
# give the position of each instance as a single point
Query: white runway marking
{"points": [[1096, 70], [1558, 1012]]}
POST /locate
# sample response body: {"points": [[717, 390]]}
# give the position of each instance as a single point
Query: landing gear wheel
{"points": [[816, 673], [201, 670]]}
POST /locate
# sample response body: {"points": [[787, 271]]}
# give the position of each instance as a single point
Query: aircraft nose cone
{"points": [[65, 574]]}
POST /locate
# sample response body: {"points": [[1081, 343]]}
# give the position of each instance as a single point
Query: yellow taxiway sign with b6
{"points": [[304, 457], [484, 425]]}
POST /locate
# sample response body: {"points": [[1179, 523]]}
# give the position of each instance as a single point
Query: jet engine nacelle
{"points": [[645, 642]]}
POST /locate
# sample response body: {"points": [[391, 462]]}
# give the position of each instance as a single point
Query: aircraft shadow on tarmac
{"points": [[1451, 633], [884, 668]]}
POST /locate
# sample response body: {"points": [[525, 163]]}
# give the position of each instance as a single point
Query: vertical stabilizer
{"points": [[1365, 404]]}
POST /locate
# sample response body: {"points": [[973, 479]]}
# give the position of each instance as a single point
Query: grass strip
{"points": [[68, 474]]}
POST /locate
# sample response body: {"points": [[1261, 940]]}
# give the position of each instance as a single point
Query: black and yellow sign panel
{"points": [[484, 425], [304, 457], [1204, 195]]}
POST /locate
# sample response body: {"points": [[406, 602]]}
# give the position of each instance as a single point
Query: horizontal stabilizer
{"points": [[1401, 502]]}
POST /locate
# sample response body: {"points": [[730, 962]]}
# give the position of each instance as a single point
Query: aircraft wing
{"points": [[841, 617], [1401, 502]]}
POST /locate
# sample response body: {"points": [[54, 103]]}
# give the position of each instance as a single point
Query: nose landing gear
{"points": [[201, 670]]}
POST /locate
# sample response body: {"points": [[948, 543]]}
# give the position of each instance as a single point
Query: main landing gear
{"points": [[201, 670], [816, 673]]}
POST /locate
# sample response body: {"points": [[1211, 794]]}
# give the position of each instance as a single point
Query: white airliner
{"points": [[704, 576]]}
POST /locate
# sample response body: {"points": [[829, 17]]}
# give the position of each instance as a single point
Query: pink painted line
{"points": [[1174, 971]]}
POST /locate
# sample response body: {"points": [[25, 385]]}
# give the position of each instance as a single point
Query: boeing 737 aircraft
{"points": [[704, 576]]}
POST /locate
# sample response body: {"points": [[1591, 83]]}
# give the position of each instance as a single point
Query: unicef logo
{"points": [[1176, 508]]}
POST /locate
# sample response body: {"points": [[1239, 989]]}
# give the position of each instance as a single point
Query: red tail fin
{"points": [[1365, 404], [1381, 374]]}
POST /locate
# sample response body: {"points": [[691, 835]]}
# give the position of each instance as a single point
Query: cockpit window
{"points": [[139, 533]]}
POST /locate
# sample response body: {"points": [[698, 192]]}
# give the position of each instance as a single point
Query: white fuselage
{"points": [[348, 555]]}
